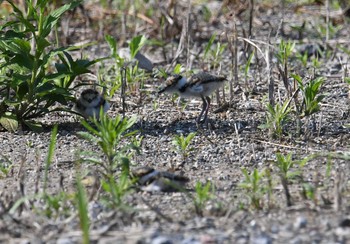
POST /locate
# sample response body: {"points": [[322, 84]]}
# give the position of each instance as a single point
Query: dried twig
{"points": [[123, 89]]}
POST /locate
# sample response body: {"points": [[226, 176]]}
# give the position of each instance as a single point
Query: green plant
{"points": [[276, 117], [285, 50], [214, 53], [286, 165], [50, 155], [177, 69], [108, 134], [252, 184], [286, 171], [303, 58], [323, 29], [155, 105], [114, 74], [81, 202], [315, 62], [204, 192], [126, 74], [246, 72], [136, 44], [182, 143], [309, 191], [117, 189], [54, 205], [29, 84], [206, 13], [311, 96]]}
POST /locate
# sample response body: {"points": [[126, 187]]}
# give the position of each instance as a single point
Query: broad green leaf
{"points": [[11, 34], [136, 44], [16, 45], [112, 44], [177, 69], [51, 20], [24, 61], [208, 47], [9, 122], [57, 76], [42, 43]]}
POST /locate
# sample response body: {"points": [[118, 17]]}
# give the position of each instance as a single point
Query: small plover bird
{"points": [[89, 104], [199, 85], [152, 180]]}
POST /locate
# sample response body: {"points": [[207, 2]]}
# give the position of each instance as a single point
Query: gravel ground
{"points": [[232, 141]]}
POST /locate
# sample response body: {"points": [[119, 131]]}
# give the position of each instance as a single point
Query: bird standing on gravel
{"points": [[199, 85], [89, 104]]}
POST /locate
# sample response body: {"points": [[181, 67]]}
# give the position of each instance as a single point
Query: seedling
{"points": [[177, 69], [252, 184], [82, 206], [285, 50], [204, 192], [128, 77], [323, 29], [214, 52], [303, 58], [108, 133], [55, 204], [309, 191], [286, 170], [50, 155], [182, 143], [246, 72], [117, 189], [276, 117], [311, 96], [315, 62]]}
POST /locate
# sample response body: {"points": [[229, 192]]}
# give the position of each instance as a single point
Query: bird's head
{"points": [[172, 83]]}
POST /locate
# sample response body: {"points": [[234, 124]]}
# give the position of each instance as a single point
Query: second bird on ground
{"points": [[89, 104], [199, 85]]}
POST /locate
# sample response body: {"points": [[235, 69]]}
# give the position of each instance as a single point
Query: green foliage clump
{"points": [[34, 74]]}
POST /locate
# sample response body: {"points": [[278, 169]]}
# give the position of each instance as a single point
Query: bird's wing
{"points": [[203, 77]]}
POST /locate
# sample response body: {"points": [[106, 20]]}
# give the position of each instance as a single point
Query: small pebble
{"points": [[300, 222], [162, 240], [263, 239]]}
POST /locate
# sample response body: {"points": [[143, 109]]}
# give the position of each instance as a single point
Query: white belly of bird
{"points": [[202, 89], [95, 111]]}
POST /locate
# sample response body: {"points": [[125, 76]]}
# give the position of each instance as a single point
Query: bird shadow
{"points": [[154, 128], [157, 128]]}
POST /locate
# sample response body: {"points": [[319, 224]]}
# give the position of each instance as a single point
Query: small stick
{"points": [[123, 89]]}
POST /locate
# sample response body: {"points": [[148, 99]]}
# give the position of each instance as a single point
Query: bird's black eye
{"points": [[179, 77]]}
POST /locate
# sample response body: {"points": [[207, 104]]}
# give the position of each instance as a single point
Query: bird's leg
{"points": [[203, 109], [206, 109]]}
